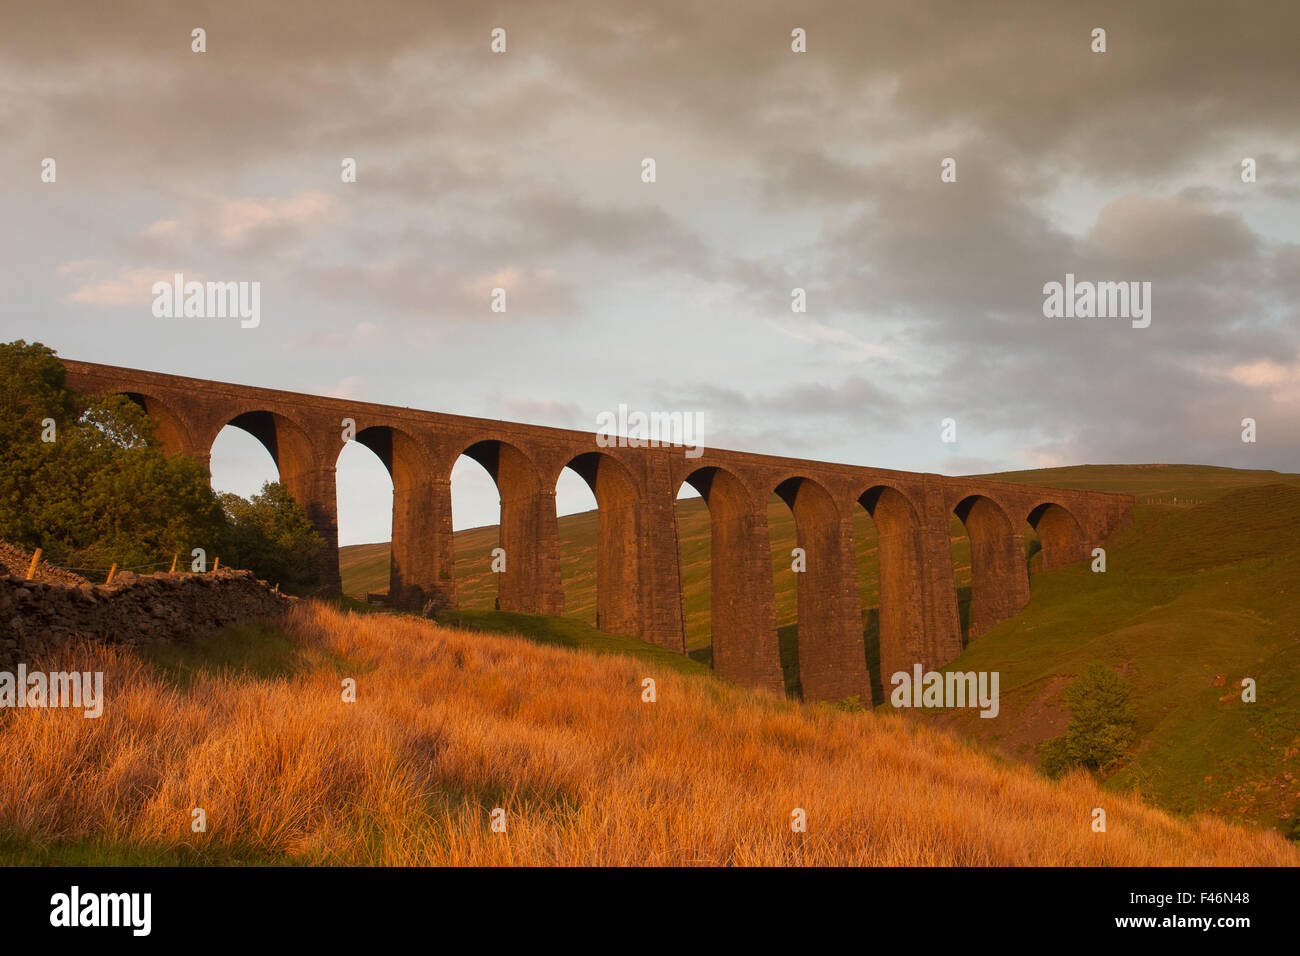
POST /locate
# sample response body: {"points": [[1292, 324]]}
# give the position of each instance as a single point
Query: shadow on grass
{"points": [[703, 655], [567, 632], [963, 613], [260, 650], [17, 851], [789, 641]]}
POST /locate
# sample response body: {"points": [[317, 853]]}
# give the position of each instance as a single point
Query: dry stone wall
{"points": [[37, 617], [17, 561]]}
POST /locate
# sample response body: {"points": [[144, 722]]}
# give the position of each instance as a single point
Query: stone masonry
{"points": [[38, 618]]}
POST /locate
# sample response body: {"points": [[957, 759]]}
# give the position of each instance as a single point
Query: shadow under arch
{"points": [[832, 660], [1059, 534], [901, 621], [413, 575], [304, 475], [172, 431], [285, 440], [618, 592], [530, 583], [999, 576], [742, 615]]}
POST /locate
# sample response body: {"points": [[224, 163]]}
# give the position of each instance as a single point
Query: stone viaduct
{"points": [[639, 589]]}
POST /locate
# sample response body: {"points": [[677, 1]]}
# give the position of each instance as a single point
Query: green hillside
{"points": [[1152, 484], [1193, 600], [1199, 592], [364, 567]]}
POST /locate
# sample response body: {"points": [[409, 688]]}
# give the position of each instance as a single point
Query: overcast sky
{"points": [[775, 170]]}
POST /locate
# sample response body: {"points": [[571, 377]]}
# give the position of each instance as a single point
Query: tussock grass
{"points": [[450, 724]]}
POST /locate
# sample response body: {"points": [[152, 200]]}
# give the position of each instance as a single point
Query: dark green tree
{"points": [[271, 535], [84, 478], [1102, 723]]}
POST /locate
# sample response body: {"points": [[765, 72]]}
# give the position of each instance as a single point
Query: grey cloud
{"points": [[817, 170]]}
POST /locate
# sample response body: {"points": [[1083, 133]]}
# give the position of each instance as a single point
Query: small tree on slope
{"points": [[1102, 723]]}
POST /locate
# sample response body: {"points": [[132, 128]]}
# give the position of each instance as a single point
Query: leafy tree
{"points": [[1102, 723], [102, 490], [32, 390], [271, 535]]}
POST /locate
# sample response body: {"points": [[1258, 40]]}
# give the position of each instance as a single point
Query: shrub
{"points": [[1102, 723]]}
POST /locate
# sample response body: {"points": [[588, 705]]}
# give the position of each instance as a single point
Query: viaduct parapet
{"points": [[638, 574]]}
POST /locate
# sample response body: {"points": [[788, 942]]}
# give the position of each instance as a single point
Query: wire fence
{"points": [[169, 565], [40, 568], [154, 566]]}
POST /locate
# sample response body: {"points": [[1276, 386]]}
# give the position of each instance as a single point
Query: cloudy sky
{"points": [[775, 170]]}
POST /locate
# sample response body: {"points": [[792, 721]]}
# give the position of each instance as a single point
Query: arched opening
{"points": [[831, 659], [287, 444], [607, 591], [1059, 536], [890, 572], [239, 463], [577, 516], [1032, 548], [995, 559], [694, 557], [365, 506], [171, 431], [523, 561], [385, 501], [476, 520], [235, 466], [742, 624], [302, 475]]}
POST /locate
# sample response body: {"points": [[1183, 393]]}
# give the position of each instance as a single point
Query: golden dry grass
{"points": [[449, 724]]}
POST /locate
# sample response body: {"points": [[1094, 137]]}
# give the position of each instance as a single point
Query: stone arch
{"points": [[307, 475], [172, 432], [741, 604], [413, 573], [903, 640], [999, 578], [531, 582], [287, 442], [832, 661], [1060, 535], [618, 588]]}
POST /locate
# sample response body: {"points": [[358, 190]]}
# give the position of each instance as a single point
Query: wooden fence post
{"points": [[36, 560]]}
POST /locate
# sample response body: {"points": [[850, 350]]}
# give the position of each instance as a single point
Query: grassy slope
{"points": [[1210, 586], [447, 725], [1152, 484], [1192, 598]]}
